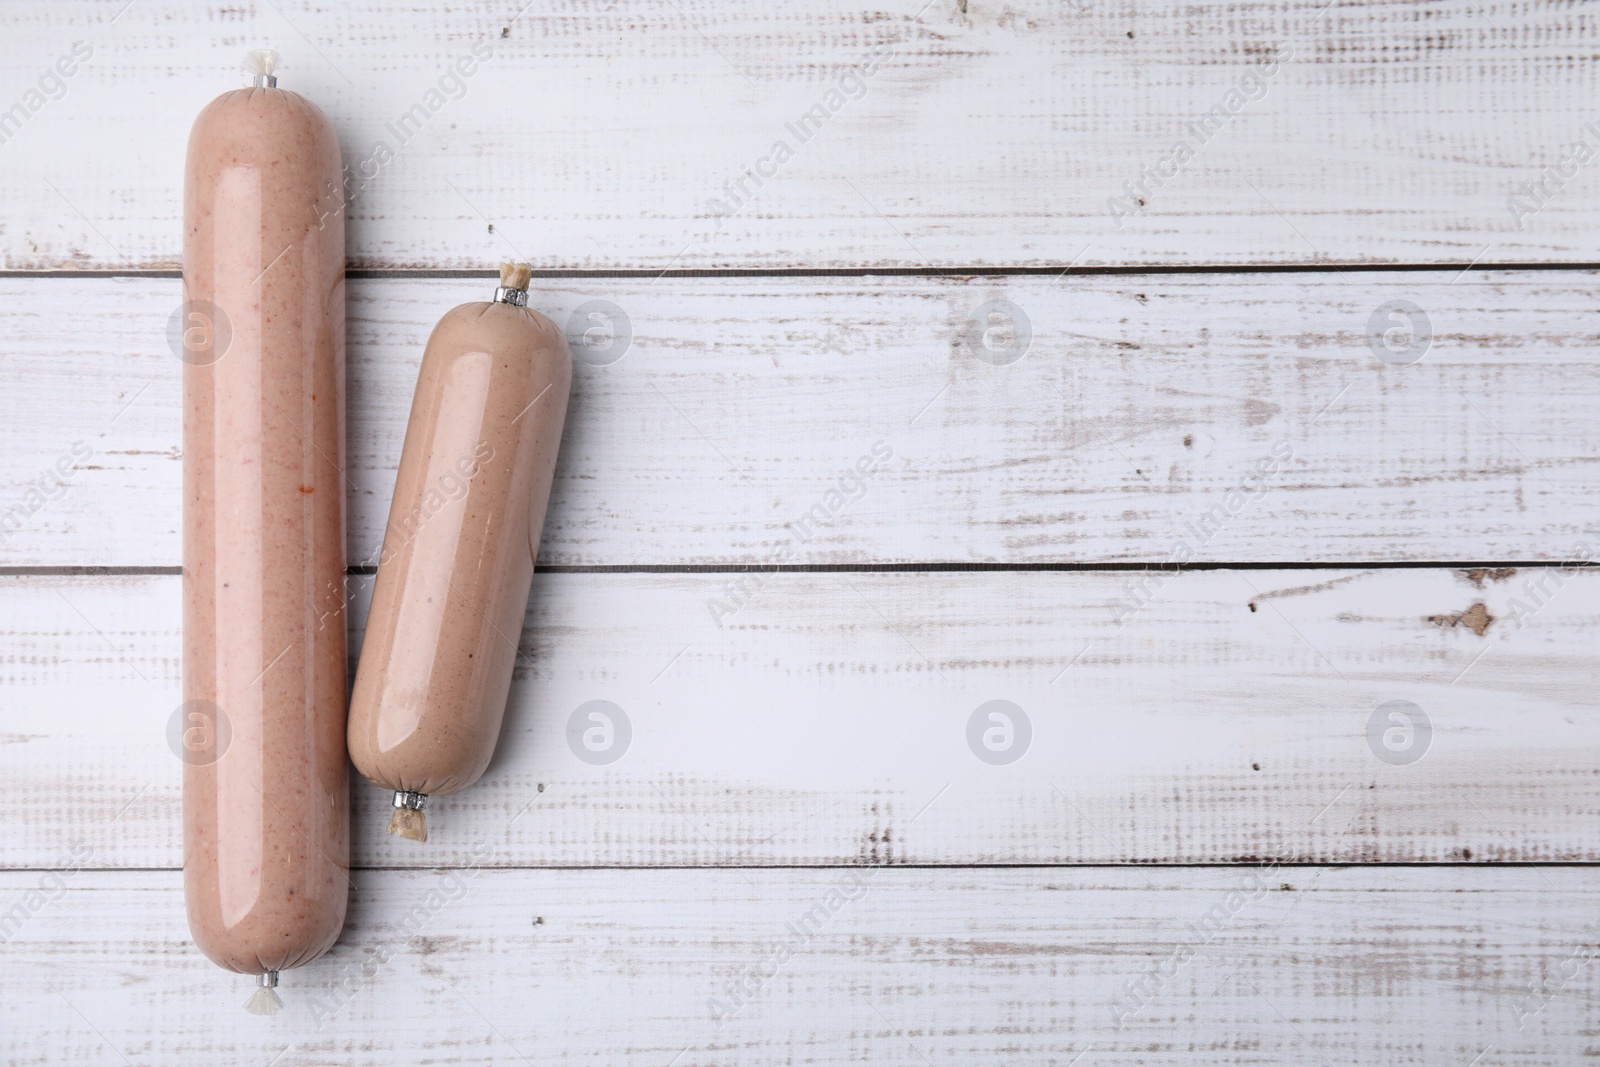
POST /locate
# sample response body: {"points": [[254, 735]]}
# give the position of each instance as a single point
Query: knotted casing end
{"points": [[261, 64], [411, 825], [408, 821], [265, 1000], [515, 275]]}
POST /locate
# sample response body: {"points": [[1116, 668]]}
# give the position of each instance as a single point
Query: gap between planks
{"points": [[93, 571], [1127, 270], [1220, 865]]}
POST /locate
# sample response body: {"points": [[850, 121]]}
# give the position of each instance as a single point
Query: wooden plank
{"points": [[1259, 965], [1140, 405], [598, 135], [830, 720]]}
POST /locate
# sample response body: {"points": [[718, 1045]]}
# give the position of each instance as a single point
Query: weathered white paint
{"points": [[1393, 966], [595, 135], [826, 721], [1140, 403]]}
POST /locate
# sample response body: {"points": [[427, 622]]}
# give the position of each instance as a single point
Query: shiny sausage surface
{"points": [[458, 552], [266, 800]]}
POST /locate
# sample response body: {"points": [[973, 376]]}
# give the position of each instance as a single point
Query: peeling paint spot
{"points": [[1476, 618], [1479, 575]]}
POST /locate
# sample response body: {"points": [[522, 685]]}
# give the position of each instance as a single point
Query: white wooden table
{"points": [[1201, 530]]}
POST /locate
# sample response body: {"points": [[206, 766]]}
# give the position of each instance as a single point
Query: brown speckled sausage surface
{"points": [[266, 824], [458, 553]]}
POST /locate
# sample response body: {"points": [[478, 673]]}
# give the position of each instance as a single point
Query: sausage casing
{"points": [[266, 808], [458, 554]]}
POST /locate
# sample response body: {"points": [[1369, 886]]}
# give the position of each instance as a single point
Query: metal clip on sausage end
{"points": [[259, 64], [513, 289], [408, 821], [265, 999]]}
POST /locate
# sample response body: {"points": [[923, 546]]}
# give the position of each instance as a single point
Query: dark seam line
{"points": [[86, 571], [943, 273], [1089, 568], [1139, 866], [46, 571]]}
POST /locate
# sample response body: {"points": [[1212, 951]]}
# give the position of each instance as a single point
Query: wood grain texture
{"points": [[827, 721], [1300, 966], [1140, 405], [808, 748], [597, 135]]}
